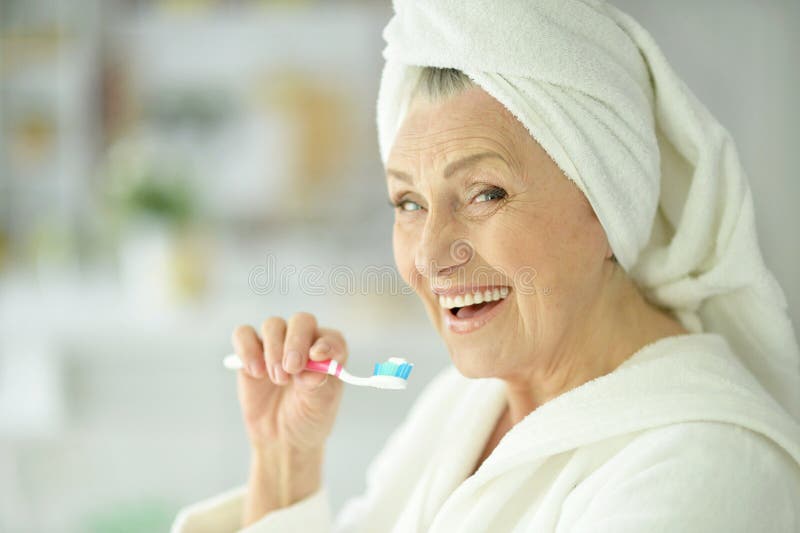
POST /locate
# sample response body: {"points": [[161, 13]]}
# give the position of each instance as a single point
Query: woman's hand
{"points": [[283, 404]]}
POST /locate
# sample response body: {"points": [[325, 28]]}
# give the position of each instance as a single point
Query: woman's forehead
{"points": [[468, 123]]}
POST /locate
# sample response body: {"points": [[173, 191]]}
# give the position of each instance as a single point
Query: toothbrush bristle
{"points": [[393, 369]]}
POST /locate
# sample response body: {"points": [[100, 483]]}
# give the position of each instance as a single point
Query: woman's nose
{"points": [[440, 251]]}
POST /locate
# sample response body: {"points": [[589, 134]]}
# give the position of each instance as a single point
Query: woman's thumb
{"points": [[309, 381]]}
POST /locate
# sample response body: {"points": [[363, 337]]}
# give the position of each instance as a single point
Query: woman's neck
{"points": [[631, 322]]}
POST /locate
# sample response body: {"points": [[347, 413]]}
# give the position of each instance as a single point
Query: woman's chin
{"points": [[472, 365]]}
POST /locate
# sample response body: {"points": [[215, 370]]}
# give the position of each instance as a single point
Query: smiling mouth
{"points": [[473, 310], [473, 304]]}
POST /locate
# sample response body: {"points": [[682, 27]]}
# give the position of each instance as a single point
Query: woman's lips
{"points": [[481, 317]]}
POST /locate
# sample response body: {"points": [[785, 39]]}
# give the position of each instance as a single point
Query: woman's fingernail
{"points": [[321, 347], [280, 375], [291, 361]]}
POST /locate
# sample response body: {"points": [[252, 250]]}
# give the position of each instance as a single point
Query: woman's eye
{"points": [[406, 205], [495, 193]]}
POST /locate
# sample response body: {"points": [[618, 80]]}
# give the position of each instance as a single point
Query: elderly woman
{"points": [[581, 233]]}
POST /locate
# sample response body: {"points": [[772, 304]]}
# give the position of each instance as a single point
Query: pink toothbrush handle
{"points": [[323, 366]]}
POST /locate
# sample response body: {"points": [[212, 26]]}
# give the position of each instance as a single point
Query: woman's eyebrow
{"points": [[454, 166]]}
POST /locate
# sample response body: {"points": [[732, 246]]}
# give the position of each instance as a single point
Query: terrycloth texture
{"points": [[223, 514], [680, 437], [662, 174]]}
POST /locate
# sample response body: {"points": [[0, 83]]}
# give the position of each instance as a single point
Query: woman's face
{"points": [[481, 206]]}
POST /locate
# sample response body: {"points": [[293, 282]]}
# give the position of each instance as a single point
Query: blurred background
{"points": [[161, 160]]}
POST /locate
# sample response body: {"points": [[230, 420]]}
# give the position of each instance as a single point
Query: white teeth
{"points": [[462, 300]]}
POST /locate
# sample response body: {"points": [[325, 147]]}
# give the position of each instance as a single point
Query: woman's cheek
{"points": [[404, 254]]}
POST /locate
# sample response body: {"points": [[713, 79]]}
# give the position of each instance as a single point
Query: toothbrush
{"points": [[392, 375]]}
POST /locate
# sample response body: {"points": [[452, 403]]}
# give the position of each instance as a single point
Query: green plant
{"points": [[161, 197]]}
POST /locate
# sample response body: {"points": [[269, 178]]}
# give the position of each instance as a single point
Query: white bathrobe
{"points": [[679, 438]]}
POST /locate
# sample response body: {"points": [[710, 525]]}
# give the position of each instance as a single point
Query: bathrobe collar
{"points": [[676, 379]]}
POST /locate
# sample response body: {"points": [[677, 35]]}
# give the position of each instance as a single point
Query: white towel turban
{"points": [[661, 173]]}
